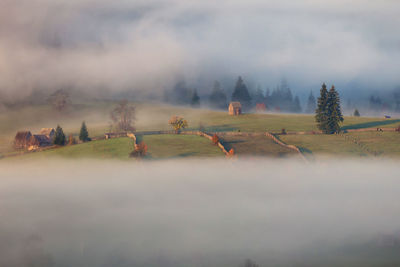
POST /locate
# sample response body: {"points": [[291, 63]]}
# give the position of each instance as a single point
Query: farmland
{"points": [[154, 117]]}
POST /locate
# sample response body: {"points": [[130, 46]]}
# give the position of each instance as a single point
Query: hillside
{"points": [[154, 116]]}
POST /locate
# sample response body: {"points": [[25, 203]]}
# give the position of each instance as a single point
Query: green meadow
{"points": [[155, 116]]}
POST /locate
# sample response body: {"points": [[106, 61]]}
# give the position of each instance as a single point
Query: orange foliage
{"points": [[215, 139], [140, 150]]}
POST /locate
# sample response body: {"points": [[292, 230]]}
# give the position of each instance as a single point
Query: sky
{"points": [[149, 45]]}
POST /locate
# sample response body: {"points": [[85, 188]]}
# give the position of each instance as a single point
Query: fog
{"points": [[148, 45], [199, 213]]}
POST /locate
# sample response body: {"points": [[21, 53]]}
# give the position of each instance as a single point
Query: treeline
{"points": [[280, 99]]}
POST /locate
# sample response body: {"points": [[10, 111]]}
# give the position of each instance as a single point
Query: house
{"points": [[22, 139], [39, 140], [235, 108], [29, 141], [260, 107], [49, 132]]}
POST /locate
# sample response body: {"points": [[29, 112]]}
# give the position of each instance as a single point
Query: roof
{"points": [[260, 105], [46, 131], [41, 139], [23, 135], [235, 104]]}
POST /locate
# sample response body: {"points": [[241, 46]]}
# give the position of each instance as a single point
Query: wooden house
{"points": [[39, 140], [22, 139], [235, 108], [49, 132]]}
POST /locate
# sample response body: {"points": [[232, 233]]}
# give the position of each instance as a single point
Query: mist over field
{"points": [[147, 46], [199, 213]]}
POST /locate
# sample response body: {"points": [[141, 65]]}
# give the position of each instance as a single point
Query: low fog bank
{"points": [[199, 213]]}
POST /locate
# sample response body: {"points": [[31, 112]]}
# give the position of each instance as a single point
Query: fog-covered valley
{"points": [[199, 213]]}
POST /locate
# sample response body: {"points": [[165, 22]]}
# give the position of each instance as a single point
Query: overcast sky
{"points": [[149, 44]]}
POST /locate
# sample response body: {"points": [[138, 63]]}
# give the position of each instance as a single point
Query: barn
{"points": [[235, 108]]}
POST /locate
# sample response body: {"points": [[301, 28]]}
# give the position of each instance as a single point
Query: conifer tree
{"points": [[311, 105], [241, 93], [356, 113], [59, 138], [334, 112], [84, 134], [296, 105], [195, 102], [321, 111], [259, 96], [218, 97]]}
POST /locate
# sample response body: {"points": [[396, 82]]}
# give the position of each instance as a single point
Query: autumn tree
{"points": [[71, 140], [215, 139], [123, 116], [178, 123], [139, 151]]}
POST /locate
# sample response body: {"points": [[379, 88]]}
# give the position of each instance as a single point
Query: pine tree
{"points": [[59, 138], [259, 96], [241, 93], [321, 111], [296, 105], [218, 97], [195, 102], [334, 113], [84, 134], [311, 106], [356, 113]]}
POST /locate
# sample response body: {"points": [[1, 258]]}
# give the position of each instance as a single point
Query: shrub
{"points": [[71, 140], [283, 131], [215, 139], [140, 151]]}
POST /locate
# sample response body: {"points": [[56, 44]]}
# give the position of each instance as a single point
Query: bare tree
{"points": [[60, 100], [123, 116]]}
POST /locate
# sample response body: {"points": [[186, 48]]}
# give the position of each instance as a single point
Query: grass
{"points": [[384, 143], [118, 148], [159, 147], [321, 145], [155, 116], [255, 146], [178, 146]]}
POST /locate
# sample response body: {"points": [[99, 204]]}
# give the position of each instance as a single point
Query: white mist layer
{"points": [[197, 213]]}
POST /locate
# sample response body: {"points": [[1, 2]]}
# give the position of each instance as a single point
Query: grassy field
{"points": [[314, 146], [383, 143], [255, 146], [155, 116], [159, 147], [177, 146]]}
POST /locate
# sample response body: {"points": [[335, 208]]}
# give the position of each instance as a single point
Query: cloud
{"points": [[200, 213], [146, 45]]}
